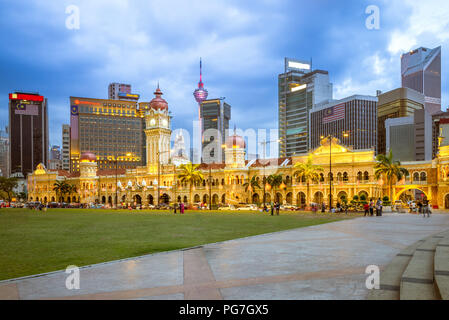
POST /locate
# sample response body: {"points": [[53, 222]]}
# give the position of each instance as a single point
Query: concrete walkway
{"points": [[320, 262]]}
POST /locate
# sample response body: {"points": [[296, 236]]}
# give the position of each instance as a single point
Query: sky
{"points": [[242, 45]]}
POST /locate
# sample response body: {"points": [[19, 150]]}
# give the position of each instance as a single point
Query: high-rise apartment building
{"points": [[215, 115], [299, 90], [421, 71], [65, 147], [28, 132], [121, 91], [111, 129], [4, 153], [55, 153], [353, 120], [398, 103]]}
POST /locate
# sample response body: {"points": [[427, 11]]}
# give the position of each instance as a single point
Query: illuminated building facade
{"points": [[65, 147], [421, 71], [28, 132], [299, 90], [353, 120], [111, 129]]}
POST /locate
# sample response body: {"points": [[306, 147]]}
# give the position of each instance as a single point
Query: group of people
{"points": [[179, 206], [423, 207], [274, 207], [369, 208]]}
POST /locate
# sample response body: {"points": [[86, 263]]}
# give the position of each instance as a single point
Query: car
{"points": [[228, 207], [288, 207], [247, 207]]}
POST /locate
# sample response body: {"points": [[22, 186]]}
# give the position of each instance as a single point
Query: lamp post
{"points": [[159, 174], [264, 143]]}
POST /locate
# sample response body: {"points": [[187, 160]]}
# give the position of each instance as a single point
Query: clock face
{"points": [[164, 122], [152, 122]]}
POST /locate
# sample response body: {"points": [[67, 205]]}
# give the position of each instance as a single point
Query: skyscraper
{"points": [[353, 120], [66, 147], [28, 132], [299, 90], [111, 129], [421, 71], [4, 153], [215, 115]]}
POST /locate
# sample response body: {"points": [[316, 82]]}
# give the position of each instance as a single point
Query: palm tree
{"points": [[61, 187], [389, 168], [72, 189], [251, 185], [191, 175], [307, 171], [274, 180]]}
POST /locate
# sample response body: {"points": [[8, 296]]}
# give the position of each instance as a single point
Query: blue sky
{"points": [[242, 43]]}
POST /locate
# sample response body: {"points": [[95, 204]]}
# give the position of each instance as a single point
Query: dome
{"points": [[88, 157], [158, 103], [235, 141]]}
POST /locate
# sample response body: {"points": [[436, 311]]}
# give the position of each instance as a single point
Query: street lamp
{"points": [[159, 174], [264, 143]]}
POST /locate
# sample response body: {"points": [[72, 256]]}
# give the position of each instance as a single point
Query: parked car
{"points": [[289, 207], [228, 207], [247, 207]]}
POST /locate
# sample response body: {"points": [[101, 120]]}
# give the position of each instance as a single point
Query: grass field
{"points": [[33, 242]]}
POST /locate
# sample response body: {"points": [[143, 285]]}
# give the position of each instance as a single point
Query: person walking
{"points": [[371, 208], [366, 207], [378, 208], [278, 207], [420, 207], [426, 209], [175, 205], [323, 207], [272, 208], [181, 208]]}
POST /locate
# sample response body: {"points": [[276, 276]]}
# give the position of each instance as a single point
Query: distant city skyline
{"points": [[145, 43]]}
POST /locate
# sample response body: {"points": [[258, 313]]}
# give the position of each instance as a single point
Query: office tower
{"points": [[200, 95], [111, 129], [66, 147], [398, 103], [353, 120], [299, 90], [4, 153], [121, 91], [410, 138], [215, 115], [421, 71], [28, 132], [55, 153]]}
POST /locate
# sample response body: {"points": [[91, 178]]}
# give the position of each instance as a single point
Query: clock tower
{"points": [[158, 132]]}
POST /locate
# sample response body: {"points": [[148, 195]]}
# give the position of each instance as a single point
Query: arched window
{"points": [[423, 176], [330, 176], [339, 177], [222, 182], [359, 176], [321, 177], [345, 177], [416, 177], [366, 176]]}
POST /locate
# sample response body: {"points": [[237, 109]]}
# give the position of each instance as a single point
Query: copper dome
{"points": [[88, 156], [158, 103], [235, 141]]}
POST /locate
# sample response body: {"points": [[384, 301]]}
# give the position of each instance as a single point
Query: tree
{"points": [[389, 168], [61, 187], [72, 189], [274, 180], [251, 185], [7, 186], [308, 172], [191, 175]]}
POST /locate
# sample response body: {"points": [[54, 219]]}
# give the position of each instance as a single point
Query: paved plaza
{"points": [[319, 262]]}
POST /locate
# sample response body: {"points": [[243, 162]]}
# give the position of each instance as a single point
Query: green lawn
{"points": [[33, 242]]}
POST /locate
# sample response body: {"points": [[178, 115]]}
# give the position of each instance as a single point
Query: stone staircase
{"points": [[419, 272]]}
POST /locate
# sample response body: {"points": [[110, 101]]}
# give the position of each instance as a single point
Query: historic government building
{"points": [[352, 171]]}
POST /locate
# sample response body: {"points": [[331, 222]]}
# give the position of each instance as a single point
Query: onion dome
{"points": [[200, 94], [88, 157], [235, 141], [158, 103]]}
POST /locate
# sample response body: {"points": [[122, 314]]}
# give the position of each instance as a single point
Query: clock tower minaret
{"points": [[158, 132]]}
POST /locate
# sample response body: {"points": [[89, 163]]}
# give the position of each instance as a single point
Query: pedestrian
{"points": [[278, 207], [346, 208], [378, 208], [420, 207], [426, 209], [181, 208], [371, 208], [272, 208], [175, 205], [366, 207]]}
